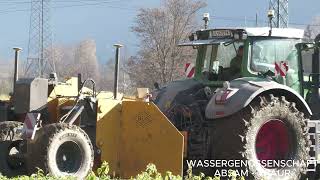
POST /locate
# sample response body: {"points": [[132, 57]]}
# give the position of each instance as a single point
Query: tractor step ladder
{"points": [[314, 135]]}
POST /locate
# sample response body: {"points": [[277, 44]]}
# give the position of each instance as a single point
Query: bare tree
{"points": [[86, 59], [63, 60], [81, 58], [107, 77], [313, 29], [160, 30], [6, 77]]}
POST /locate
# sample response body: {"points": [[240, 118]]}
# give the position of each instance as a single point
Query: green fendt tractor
{"points": [[254, 97]]}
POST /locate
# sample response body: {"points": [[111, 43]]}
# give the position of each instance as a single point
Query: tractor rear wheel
{"points": [[61, 150], [11, 160], [270, 129]]}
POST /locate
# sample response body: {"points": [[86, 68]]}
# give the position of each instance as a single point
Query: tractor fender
{"points": [[164, 97], [244, 90]]}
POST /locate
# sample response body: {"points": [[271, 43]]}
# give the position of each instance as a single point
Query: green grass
{"points": [[102, 173]]}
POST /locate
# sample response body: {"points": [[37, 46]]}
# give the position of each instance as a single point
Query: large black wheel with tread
{"points": [[11, 159], [61, 150], [270, 128]]}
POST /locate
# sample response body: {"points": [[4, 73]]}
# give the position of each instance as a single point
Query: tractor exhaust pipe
{"points": [[116, 70], [16, 70]]}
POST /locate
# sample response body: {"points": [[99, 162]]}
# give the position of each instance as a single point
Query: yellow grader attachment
{"points": [[130, 133], [133, 133], [69, 128]]}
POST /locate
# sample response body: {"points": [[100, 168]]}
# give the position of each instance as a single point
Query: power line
{"points": [[74, 5], [236, 19], [56, 1], [67, 2], [93, 4], [84, 3], [281, 12], [40, 40]]}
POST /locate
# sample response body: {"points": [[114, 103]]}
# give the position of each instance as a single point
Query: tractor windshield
{"points": [[217, 59], [266, 52]]}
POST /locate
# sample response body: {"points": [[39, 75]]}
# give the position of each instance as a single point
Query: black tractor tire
{"points": [[11, 164], [235, 137], [61, 150]]}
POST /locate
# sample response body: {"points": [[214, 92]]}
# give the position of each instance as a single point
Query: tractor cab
{"points": [[219, 60], [309, 58]]}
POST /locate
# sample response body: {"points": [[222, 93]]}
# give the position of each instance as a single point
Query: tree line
{"points": [[158, 59]]}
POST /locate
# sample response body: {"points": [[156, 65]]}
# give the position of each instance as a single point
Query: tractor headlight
{"points": [[223, 94], [226, 85]]}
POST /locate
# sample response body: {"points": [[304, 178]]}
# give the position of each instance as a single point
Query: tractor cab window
{"points": [[266, 52], [218, 58], [307, 62]]}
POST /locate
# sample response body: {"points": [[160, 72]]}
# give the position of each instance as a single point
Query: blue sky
{"points": [[110, 23]]}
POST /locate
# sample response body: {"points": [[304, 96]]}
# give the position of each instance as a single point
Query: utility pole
{"points": [[281, 10], [40, 40]]}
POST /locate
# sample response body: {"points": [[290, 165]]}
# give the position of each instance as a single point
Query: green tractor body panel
{"points": [[217, 47], [257, 74]]}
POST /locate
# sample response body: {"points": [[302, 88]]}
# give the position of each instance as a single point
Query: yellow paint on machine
{"points": [[133, 133], [108, 132], [62, 95], [129, 132]]}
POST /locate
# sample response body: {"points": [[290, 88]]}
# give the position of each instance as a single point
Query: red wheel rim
{"points": [[273, 141]]}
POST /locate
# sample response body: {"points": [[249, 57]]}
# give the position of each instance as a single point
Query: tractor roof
{"points": [[276, 32], [261, 31], [220, 35]]}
